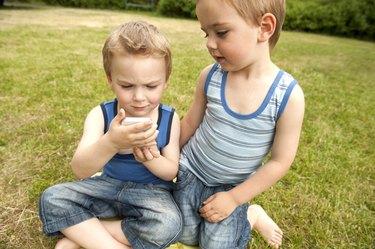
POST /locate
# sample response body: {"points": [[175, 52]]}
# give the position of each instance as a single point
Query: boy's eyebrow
{"points": [[214, 25], [123, 81], [152, 82], [156, 81]]}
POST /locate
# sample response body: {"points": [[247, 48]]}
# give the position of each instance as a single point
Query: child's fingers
{"points": [[152, 138], [209, 199], [146, 139], [145, 126], [147, 153], [138, 154], [155, 152], [152, 144], [119, 117]]}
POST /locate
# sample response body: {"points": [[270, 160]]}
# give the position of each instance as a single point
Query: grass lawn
{"points": [[51, 75]]}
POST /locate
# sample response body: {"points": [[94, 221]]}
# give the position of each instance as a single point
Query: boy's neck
{"points": [[258, 70]]}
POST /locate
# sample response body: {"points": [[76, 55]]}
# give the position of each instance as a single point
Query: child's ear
{"points": [[166, 84], [267, 27], [109, 80]]}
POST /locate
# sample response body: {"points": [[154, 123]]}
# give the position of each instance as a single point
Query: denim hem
{"points": [[52, 229]]}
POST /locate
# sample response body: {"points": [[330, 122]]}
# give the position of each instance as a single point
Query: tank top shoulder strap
{"points": [[109, 109], [216, 74], [164, 122]]}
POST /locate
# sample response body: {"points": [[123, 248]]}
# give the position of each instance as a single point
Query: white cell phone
{"points": [[130, 121], [134, 120]]}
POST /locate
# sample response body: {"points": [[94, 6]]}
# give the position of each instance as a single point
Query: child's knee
{"points": [[189, 237], [55, 198], [49, 195], [170, 227]]}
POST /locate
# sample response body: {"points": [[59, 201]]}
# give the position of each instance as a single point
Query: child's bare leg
{"points": [[90, 234], [261, 222], [113, 227], [66, 243]]}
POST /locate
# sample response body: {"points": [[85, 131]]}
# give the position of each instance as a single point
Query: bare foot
{"points": [[66, 243], [261, 222]]}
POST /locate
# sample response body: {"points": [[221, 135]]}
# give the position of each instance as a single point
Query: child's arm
{"points": [[194, 116], [96, 148], [164, 166], [288, 129]]}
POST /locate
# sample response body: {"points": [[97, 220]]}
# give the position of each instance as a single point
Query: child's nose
{"points": [[138, 95], [211, 43]]}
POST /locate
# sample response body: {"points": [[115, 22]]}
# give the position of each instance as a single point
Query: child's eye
{"points": [[151, 86], [221, 33], [126, 86]]}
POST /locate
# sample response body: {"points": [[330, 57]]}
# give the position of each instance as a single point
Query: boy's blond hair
{"points": [[137, 38], [253, 10]]}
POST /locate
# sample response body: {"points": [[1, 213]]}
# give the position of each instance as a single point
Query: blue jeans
{"points": [[150, 217], [231, 233]]}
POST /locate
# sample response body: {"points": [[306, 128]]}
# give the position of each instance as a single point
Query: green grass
{"points": [[51, 75]]}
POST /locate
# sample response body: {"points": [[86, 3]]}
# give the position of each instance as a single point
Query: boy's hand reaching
{"points": [[218, 207]]}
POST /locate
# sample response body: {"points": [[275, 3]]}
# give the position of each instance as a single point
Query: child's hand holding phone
{"points": [[144, 153]]}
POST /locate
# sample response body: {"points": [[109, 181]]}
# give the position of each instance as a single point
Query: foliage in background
{"points": [[346, 18], [343, 17], [99, 4], [181, 8]]}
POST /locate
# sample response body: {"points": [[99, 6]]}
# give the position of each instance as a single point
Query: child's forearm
{"points": [[264, 178], [89, 160], [162, 167], [186, 131]]}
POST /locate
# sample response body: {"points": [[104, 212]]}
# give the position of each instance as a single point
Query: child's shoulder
{"points": [[169, 109], [103, 109], [204, 73], [95, 113], [288, 79]]}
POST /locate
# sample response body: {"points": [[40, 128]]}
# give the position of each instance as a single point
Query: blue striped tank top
{"points": [[228, 147]]}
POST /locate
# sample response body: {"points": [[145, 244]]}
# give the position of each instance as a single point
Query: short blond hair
{"points": [[253, 10], [138, 38]]}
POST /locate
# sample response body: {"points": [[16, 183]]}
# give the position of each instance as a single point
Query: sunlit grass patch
{"points": [[51, 75]]}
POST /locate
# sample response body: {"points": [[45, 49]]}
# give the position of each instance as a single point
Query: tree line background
{"points": [[347, 18]]}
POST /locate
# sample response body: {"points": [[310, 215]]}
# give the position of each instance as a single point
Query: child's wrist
{"points": [[109, 144], [237, 197]]}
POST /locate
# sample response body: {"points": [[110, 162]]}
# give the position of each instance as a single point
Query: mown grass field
{"points": [[51, 75]]}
